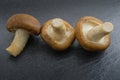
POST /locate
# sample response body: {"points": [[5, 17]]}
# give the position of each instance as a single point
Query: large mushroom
{"points": [[23, 25], [58, 33], [93, 34]]}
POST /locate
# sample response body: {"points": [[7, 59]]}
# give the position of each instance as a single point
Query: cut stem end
{"points": [[58, 26]]}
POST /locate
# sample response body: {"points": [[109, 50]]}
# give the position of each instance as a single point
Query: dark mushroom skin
{"points": [[23, 21], [23, 25]]}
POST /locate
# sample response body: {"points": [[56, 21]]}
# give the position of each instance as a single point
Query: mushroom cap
{"points": [[23, 21], [54, 43], [82, 39]]}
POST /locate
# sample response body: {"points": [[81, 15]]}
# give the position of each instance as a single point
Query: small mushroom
{"points": [[58, 33], [93, 34], [23, 25]]}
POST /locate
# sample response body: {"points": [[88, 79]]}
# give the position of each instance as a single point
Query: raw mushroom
{"points": [[23, 25], [93, 34], [58, 33]]}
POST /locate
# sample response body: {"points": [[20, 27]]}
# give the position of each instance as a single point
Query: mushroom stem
{"points": [[19, 42], [98, 32], [58, 26]]}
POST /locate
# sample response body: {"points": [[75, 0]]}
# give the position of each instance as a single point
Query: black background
{"points": [[39, 62]]}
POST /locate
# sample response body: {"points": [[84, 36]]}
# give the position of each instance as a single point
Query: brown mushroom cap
{"points": [[85, 43], [53, 43], [23, 21]]}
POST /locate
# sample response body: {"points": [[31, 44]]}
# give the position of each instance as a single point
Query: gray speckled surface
{"points": [[39, 62]]}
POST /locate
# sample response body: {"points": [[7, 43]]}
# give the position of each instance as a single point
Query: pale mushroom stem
{"points": [[58, 26], [19, 42], [96, 33]]}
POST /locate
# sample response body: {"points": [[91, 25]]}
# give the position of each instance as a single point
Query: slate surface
{"points": [[39, 62]]}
